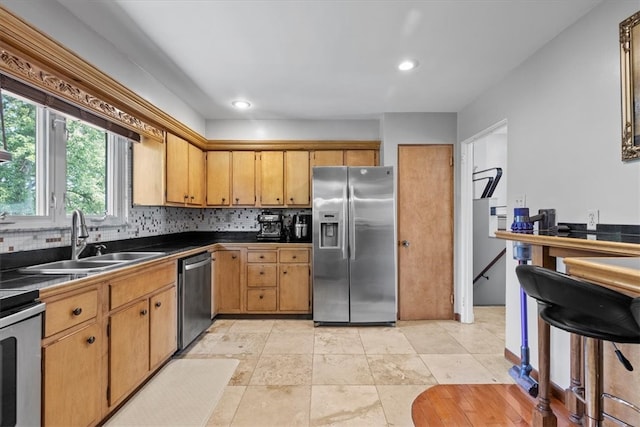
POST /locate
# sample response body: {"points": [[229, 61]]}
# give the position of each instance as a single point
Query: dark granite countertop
{"points": [[170, 244]]}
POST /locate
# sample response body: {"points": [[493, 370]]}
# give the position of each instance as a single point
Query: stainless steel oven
{"points": [[20, 370]]}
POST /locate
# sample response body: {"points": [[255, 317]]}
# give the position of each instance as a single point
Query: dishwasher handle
{"points": [[188, 267]]}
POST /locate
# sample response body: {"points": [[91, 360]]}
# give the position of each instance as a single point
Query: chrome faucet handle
{"points": [[99, 249]]}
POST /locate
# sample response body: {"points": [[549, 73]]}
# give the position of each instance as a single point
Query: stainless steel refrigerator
{"points": [[354, 265]]}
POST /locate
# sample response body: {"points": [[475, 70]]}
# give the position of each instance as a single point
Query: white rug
{"points": [[184, 393]]}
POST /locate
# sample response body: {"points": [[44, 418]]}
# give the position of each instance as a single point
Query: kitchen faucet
{"points": [[78, 241]]}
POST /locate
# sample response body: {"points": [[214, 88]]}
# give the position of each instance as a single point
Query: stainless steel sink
{"points": [[94, 264], [126, 256]]}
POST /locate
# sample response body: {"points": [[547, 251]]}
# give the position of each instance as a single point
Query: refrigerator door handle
{"points": [[343, 224], [352, 224]]}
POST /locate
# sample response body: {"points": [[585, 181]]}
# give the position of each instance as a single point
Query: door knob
{"points": [[405, 243]]}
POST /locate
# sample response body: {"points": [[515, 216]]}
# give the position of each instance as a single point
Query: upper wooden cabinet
{"points": [[243, 178], [297, 180], [148, 172], [360, 158], [328, 158], [218, 178], [272, 178], [185, 172]]}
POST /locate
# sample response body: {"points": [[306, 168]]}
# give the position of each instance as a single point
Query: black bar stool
{"points": [[589, 310]]}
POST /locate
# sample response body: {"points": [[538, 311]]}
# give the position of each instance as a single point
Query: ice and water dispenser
{"points": [[329, 230]]}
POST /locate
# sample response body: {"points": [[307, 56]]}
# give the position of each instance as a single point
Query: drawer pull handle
{"points": [[77, 311], [144, 312], [158, 303], [91, 339]]}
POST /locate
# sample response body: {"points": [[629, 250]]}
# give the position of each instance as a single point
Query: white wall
{"points": [[344, 130], [491, 152], [563, 111], [54, 20]]}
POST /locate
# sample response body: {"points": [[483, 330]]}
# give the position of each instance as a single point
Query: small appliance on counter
{"points": [[270, 226], [301, 228]]}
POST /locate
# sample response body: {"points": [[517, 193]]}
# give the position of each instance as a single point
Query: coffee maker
{"points": [[301, 228], [270, 226]]}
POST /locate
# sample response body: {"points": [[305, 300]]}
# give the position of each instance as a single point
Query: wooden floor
{"points": [[478, 405]]}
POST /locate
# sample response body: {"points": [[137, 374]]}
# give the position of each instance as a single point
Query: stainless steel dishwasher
{"points": [[194, 297]]}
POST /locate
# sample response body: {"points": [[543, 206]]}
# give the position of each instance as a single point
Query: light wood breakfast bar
{"points": [[606, 261]]}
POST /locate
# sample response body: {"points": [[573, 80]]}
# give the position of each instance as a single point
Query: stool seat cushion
{"points": [[580, 307], [635, 309]]}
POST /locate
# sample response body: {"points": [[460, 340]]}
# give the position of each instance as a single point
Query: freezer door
{"points": [[330, 263], [371, 245]]}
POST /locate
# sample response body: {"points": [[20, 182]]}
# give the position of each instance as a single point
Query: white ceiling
{"points": [[314, 59]]}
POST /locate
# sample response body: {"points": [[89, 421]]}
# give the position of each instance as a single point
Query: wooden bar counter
{"points": [[608, 262]]}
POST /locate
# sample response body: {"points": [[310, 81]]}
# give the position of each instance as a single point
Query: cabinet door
{"points": [[297, 178], [243, 178], [196, 176], [163, 328], [328, 158], [272, 178], [129, 349], [72, 386], [227, 281], [177, 169], [360, 158], [148, 172], [294, 287], [218, 178]]}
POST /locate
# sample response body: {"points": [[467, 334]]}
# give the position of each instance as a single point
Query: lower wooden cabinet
{"points": [[262, 278], [72, 379], [163, 326]]}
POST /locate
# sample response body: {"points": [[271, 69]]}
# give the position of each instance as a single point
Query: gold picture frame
{"points": [[630, 80]]}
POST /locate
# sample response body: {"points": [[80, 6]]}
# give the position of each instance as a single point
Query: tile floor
{"points": [[292, 374]]}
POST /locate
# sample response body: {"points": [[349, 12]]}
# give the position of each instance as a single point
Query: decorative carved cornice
{"points": [[30, 73], [37, 49]]}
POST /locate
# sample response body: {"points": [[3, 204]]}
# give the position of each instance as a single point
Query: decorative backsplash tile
{"points": [[144, 222]]}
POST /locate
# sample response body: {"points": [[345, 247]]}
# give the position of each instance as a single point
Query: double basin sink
{"points": [[94, 264]]}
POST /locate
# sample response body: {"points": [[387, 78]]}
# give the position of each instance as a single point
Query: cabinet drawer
{"points": [[294, 255], [129, 288], [261, 275], [262, 256], [70, 311], [261, 300]]}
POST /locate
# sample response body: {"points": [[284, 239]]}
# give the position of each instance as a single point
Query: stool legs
{"points": [[593, 381], [543, 416], [573, 404]]}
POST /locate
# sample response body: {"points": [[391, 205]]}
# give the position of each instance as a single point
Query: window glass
{"points": [[86, 168], [18, 177]]}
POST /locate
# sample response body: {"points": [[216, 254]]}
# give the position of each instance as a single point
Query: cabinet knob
{"points": [[144, 312], [237, 200], [261, 296], [213, 259], [294, 257], [284, 272], [91, 339], [193, 197], [186, 196], [261, 273], [234, 256], [291, 199], [223, 199], [278, 199], [158, 303], [261, 256], [77, 311]]}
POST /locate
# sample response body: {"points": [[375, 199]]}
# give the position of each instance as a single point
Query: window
{"points": [[59, 164]]}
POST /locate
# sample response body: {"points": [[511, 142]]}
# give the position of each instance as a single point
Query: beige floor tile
{"points": [[221, 325], [335, 369], [283, 369], [457, 369], [251, 326], [337, 343], [245, 369], [396, 402], [346, 406], [433, 341], [273, 406], [399, 369], [336, 329], [475, 339], [236, 343], [226, 408], [292, 326], [385, 341], [289, 343], [497, 365]]}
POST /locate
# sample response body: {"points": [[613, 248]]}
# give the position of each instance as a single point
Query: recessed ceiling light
{"points": [[241, 105], [407, 65]]}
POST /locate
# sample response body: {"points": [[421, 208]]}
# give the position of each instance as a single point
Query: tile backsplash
{"points": [[142, 222]]}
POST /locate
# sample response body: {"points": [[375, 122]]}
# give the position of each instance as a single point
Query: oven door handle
{"points": [[21, 315]]}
